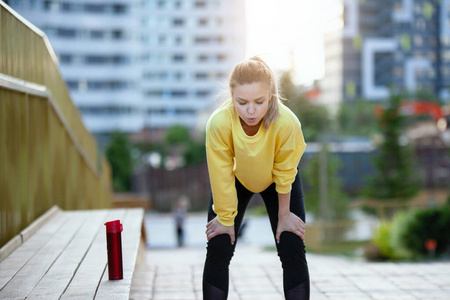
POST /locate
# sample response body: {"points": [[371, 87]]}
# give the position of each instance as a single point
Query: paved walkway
{"points": [[255, 274], [168, 273]]}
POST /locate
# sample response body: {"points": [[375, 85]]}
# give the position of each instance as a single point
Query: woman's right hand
{"points": [[214, 228]]}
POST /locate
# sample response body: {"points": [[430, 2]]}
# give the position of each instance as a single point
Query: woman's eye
{"points": [[259, 102]]}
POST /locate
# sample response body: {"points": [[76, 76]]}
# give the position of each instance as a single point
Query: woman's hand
{"points": [[290, 222], [214, 228]]}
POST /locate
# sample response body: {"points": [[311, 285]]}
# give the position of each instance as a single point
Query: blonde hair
{"points": [[253, 70]]}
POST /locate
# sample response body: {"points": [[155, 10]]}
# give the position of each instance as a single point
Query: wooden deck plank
{"points": [[120, 289], [29, 275], [39, 222], [25, 234], [58, 277], [16, 260], [85, 282], [9, 248]]}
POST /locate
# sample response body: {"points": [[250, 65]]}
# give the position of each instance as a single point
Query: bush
{"points": [[405, 236], [382, 240], [384, 245], [413, 231]]}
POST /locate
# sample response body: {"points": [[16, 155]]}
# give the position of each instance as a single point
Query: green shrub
{"points": [[412, 231], [382, 240], [405, 236]]}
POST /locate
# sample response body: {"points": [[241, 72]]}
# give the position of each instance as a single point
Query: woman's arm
{"points": [[214, 228], [219, 155], [287, 221]]}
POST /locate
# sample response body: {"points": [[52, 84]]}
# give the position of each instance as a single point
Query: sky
{"points": [[288, 32]]}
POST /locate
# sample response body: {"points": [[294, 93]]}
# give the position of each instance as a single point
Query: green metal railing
{"points": [[47, 157]]}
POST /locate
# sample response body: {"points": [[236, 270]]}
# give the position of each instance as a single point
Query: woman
{"points": [[254, 144]]}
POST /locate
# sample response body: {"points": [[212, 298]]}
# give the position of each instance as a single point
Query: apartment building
{"points": [[141, 64], [403, 44]]}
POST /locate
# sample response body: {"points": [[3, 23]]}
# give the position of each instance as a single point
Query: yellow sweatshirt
{"points": [[271, 155]]}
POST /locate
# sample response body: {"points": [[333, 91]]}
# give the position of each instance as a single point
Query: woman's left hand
{"points": [[292, 223]]}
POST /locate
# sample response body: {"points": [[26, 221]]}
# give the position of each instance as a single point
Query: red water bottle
{"points": [[114, 246]]}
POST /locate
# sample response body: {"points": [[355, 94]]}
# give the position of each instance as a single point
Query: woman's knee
{"points": [[291, 251], [220, 248], [291, 248]]}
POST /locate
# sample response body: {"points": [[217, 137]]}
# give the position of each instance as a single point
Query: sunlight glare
{"points": [[288, 34]]}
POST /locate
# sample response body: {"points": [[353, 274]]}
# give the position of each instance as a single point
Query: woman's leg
{"points": [[220, 251], [291, 248]]}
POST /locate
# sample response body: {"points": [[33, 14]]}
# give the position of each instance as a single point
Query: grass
{"points": [[348, 249]]}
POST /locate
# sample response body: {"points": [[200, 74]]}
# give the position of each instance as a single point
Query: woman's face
{"points": [[251, 102]]}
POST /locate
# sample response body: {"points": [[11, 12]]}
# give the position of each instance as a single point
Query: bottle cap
{"points": [[113, 226]]}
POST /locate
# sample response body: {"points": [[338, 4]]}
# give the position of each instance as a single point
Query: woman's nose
{"points": [[251, 109]]}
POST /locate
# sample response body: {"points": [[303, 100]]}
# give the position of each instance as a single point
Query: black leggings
{"points": [[291, 248]]}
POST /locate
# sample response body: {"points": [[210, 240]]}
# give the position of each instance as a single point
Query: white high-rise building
{"points": [[135, 64], [187, 49]]}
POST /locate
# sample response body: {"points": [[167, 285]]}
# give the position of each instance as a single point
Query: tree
{"points": [[334, 204], [177, 134], [356, 118], [396, 176], [180, 142], [118, 153], [315, 119]]}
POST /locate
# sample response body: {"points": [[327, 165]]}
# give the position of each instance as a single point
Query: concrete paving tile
{"points": [[319, 297], [440, 280], [140, 297], [174, 296], [411, 282], [392, 295], [373, 283], [430, 294], [347, 296], [269, 296]]}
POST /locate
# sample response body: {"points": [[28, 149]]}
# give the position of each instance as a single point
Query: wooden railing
{"points": [[47, 157]]}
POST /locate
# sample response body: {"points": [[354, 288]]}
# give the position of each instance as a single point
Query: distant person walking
{"points": [[254, 144], [180, 216]]}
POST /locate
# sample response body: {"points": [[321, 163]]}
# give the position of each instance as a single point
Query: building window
{"points": [[398, 71], [221, 57], [178, 22], [68, 7], [72, 84], [202, 58], [201, 76], [179, 93], [217, 40], [67, 32], [202, 40], [154, 93], [418, 40], [200, 4], [161, 4], [94, 8], [51, 5], [96, 34], [95, 59], [178, 76], [119, 59], [117, 34], [65, 59], [119, 9], [203, 22], [202, 93], [178, 58]]}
